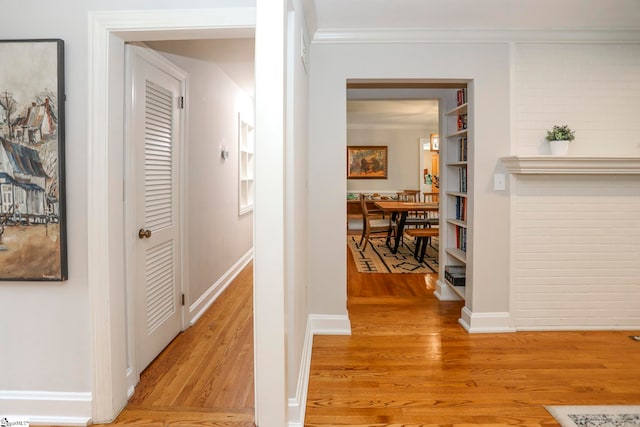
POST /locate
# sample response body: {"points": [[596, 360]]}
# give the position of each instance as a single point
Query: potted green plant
{"points": [[559, 138]]}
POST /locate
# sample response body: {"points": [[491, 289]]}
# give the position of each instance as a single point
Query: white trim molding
{"points": [[45, 407], [497, 322], [317, 324], [444, 292], [297, 404], [572, 165], [108, 31], [468, 35], [327, 324]]}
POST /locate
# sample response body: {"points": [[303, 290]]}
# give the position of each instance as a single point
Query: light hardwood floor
{"points": [[205, 376], [409, 362]]}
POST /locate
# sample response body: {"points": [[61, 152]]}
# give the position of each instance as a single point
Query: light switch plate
{"points": [[499, 182]]}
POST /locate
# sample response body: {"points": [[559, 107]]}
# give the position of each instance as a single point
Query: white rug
{"points": [[596, 416]]}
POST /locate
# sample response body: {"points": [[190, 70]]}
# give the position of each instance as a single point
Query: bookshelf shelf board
{"points": [[459, 290], [572, 165], [456, 194], [458, 134], [458, 254], [460, 164], [457, 222], [460, 109]]}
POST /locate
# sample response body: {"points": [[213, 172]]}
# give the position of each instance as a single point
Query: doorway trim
{"points": [[108, 31]]}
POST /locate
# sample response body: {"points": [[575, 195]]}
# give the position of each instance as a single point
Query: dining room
{"points": [[392, 198]]}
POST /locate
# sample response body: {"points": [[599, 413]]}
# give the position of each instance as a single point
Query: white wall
{"points": [[593, 88], [402, 156], [488, 65], [56, 356], [575, 245], [218, 236], [296, 247], [576, 249], [45, 333], [581, 83]]}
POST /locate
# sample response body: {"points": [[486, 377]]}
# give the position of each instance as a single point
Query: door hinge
{"points": [[182, 299], [180, 102]]}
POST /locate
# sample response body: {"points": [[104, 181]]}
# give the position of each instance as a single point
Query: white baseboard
{"points": [[297, 404], [486, 322], [316, 325], [327, 324], [202, 304], [561, 328], [444, 293], [47, 408]]}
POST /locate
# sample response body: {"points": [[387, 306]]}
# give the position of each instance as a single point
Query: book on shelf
{"points": [[461, 208], [462, 179], [461, 238], [463, 150], [455, 274], [462, 96]]}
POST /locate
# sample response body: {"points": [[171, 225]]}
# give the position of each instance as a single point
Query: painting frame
{"points": [[367, 162], [434, 141], [33, 225]]}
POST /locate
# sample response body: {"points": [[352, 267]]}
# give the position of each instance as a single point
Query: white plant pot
{"points": [[559, 148]]}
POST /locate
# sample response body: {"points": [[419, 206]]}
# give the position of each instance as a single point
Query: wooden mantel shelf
{"points": [[572, 165]]}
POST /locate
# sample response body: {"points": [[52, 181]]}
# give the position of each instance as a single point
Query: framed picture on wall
{"points": [[367, 162], [33, 243], [435, 142]]}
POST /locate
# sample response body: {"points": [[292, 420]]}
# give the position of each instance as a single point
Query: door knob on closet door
{"points": [[142, 233]]}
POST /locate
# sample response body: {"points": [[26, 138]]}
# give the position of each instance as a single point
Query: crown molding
{"points": [[460, 35], [572, 165]]}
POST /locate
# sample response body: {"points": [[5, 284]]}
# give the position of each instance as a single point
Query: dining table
{"points": [[399, 212]]}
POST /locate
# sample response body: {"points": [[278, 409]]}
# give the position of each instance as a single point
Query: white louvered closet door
{"points": [[157, 286]]}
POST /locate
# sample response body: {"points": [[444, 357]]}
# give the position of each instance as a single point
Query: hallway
{"points": [[205, 376]]}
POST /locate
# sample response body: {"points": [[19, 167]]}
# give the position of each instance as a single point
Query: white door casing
{"points": [[108, 31], [152, 193]]}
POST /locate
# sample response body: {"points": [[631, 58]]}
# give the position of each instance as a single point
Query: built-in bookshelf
{"points": [[246, 189], [455, 236]]}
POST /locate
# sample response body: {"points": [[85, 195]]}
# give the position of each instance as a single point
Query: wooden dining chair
{"points": [[409, 196], [431, 197], [414, 218], [432, 216], [373, 225]]}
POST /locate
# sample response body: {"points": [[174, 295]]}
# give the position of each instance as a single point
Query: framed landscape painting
{"points": [[367, 162], [32, 188]]}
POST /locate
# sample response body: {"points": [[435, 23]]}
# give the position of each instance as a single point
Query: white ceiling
{"points": [[234, 56], [414, 113], [474, 14]]}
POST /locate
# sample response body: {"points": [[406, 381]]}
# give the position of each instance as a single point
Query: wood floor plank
{"points": [[409, 362], [176, 416], [205, 375]]}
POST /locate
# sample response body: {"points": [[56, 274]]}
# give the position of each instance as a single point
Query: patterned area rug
{"points": [[377, 258], [596, 416]]}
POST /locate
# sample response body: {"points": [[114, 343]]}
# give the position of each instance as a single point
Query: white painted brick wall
{"points": [[593, 88], [576, 248]]}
